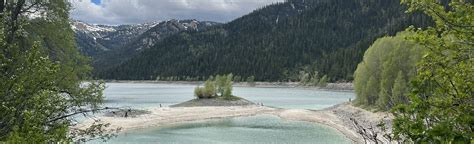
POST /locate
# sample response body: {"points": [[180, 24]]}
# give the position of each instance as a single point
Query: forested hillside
{"points": [[93, 40], [145, 40], [275, 43]]}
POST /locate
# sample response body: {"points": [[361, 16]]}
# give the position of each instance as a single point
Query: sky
{"points": [[116, 12]]}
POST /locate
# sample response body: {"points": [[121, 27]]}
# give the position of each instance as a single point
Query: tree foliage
{"points": [[312, 79], [41, 76], [441, 101], [208, 91], [387, 66], [213, 87], [251, 81]]}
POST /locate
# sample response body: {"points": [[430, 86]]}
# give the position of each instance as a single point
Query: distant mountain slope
{"points": [[95, 39], [147, 39], [275, 42]]}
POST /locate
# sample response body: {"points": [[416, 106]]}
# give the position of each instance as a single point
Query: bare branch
{"points": [[79, 112], [23, 10]]}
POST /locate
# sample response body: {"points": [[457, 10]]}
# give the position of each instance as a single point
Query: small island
{"points": [[217, 91]]}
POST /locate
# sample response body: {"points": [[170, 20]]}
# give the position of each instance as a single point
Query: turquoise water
{"points": [[246, 130], [255, 129], [143, 95]]}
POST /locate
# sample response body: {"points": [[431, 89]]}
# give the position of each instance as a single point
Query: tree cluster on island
{"points": [[216, 87]]}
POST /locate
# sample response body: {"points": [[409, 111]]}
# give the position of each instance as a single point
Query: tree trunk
{"points": [[2, 6], [13, 24]]}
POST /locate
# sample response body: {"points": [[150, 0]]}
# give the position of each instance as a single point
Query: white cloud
{"points": [[139, 11]]}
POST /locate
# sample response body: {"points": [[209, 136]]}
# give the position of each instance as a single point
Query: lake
{"points": [[143, 95], [255, 129]]}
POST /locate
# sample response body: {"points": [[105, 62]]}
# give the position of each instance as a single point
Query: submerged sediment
{"points": [[338, 117]]}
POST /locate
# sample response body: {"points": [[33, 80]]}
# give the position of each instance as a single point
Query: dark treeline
{"points": [[275, 43]]}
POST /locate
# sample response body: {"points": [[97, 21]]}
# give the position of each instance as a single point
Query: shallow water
{"points": [[143, 95], [255, 129]]}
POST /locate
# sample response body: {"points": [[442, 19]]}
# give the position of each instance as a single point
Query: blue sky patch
{"points": [[97, 2]]}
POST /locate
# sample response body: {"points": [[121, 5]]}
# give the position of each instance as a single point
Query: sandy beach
{"points": [[173, 115]]}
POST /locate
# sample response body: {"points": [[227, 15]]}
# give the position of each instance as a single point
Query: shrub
{"points": [[208, 91], [227, 87], [251, 81], [199, 92], [323, 82], [220, 85]]}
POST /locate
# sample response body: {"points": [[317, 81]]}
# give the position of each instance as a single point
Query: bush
{"points": [[220, 85], [251, 81], [199, 92], [323, 82], [208, 91], [227, 87]]}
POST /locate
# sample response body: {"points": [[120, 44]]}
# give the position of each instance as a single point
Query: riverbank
{"points": [[338, 117], [347, 86]]}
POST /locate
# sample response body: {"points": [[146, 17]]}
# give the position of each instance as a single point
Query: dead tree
{"points": [[372, 135]]}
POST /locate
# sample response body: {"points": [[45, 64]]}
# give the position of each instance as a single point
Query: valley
{"points": [[236, 71]]}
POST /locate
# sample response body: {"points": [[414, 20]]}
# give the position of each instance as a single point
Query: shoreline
{"points": [[336, 117], [347, 86]]}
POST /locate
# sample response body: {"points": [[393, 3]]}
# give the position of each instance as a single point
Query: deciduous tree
{"points": [[41, 76], [441, 108]]}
